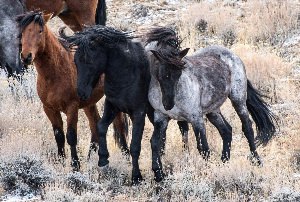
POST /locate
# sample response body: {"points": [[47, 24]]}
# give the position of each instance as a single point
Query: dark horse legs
{"points": [[200, 134], [57, 124], [138, 119], [225, 131], [160, 127], [72, 119], [243, 113]]}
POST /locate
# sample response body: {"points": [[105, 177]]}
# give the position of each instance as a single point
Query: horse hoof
{"points": [[75, 165], [255, 159], [225, 158], [136, 180], [102, 163], [159, 175], [205, 154]]}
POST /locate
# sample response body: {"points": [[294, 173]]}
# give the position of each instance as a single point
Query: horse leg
{"points": [[184, 129], [200, 133], [138, 123], [109, 114], [225, 130], [121, 132], [57, 125], [242, 111], [93, 116], [160, 127], [72, 119]]}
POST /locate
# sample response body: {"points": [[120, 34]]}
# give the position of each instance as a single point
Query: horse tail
{"points": [[122, 136], [100, 17], [261, 114]]}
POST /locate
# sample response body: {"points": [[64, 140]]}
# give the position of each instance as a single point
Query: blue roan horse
{"points": [[188, 88], [9, 41]]}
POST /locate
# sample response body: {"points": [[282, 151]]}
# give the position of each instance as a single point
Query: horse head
{"points": [[32, 26], [168, 69], [92, 47]]}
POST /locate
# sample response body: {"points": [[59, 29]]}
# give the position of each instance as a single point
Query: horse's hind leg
{"points": [[57, 125], [72, 119], [93, 116], [200, 134], [225, 130], [242, 111], [121, 132]]}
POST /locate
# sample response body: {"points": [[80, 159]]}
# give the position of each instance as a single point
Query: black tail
{"points": [[261, 114], [122, 136], [100, 17]]}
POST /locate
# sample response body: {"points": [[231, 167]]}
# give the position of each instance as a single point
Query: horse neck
{"points": [[51, 58]]}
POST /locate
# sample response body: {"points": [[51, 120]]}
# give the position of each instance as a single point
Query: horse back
{"points": [[214, 77]]}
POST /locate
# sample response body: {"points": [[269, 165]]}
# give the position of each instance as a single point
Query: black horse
{"points": [[9, 38], [127, 76]]}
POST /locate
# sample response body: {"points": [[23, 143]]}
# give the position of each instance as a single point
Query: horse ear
{"points": [[156, 54], [47, 17], [184, 52]]}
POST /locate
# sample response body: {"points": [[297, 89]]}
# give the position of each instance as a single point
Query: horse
{"points": [[125, 64], [188, 87], [74, 13], [9, 41], [56, 84]]}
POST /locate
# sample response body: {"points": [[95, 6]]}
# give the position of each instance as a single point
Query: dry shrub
{"points": [[23, 175], [269, 21], [255, 22]]}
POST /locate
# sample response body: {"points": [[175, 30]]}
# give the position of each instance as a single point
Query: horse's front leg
{"points": [[72, 119], [160, 127], [93, 116], [184, 129], [109, 114], [138, 123], [57, 125], [200, 133]]}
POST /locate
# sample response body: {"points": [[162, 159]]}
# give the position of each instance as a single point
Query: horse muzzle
{"points": [[27, 60], [168, 105]]}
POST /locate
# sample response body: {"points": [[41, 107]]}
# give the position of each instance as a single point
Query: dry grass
{"points": [[25, 128]]}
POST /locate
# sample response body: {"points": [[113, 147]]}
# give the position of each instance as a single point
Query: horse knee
{"points": [[71, 136]]}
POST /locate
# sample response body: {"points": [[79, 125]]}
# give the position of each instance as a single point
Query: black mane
{"points": [[33, 16], [171, 58], [163, 35], [96, 35]]}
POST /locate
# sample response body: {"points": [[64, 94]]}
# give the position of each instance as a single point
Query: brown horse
{"points": [[74, 13], [57, 83]]}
